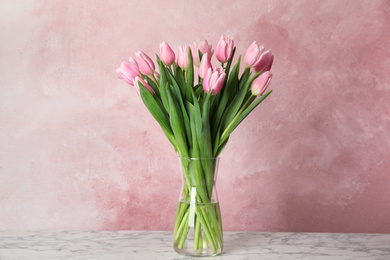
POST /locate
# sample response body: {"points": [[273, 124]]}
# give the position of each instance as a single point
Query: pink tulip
{"points": [[264, 62], [260, 84], [137, 85], [205, 64], [145, 64], [128, 71], [182, 57], [224, 49], [213, 80], [195, 54], [253, 54], [205, 47], [270, 64], [167, 55]]}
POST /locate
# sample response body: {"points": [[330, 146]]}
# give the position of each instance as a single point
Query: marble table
{"points": [[140, 245]]}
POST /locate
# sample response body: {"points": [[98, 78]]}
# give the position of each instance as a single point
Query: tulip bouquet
{"points": [[198, 117]]}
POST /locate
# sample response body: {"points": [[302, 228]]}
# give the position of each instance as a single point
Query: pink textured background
{"points": [[78, 150]]}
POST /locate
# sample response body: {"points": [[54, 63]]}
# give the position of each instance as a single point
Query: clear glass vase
{"points": [[198, 225]]}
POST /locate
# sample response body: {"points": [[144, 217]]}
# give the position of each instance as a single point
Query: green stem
{"points": [[184, 235], [206, 228], [155, 81], [198, 235], [215, 223], [182, 224], [179, 217]]}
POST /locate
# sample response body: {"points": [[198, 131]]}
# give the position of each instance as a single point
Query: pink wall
{"points": [[80, 151]]}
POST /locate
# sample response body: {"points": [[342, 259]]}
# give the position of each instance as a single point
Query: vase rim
{"points": [[198, 158]]}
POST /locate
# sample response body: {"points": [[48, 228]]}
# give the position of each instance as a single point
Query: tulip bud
{"points": [[182, 57], [167, 55], [205, 64], [224, 49], [128, 71], [137, 85], [145, 64], [213, 80], [260, 84], [205, 47], [253, 54], [270, 64], [195, 54], [264, 62]]}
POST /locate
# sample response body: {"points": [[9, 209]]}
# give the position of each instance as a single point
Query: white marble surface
{"points": [[140, 245]]}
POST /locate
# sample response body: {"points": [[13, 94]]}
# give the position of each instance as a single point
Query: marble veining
{"points": [[158, 245]]}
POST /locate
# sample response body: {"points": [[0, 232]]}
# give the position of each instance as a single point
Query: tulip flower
{"points": [[128, 71], [205, 47], [224, 49], [167, 55], [267, 68], [145, 64], [205, 64], [264, 62], [260, 84], [213, 80], [137, 85], [252, 54], [182, 57]]}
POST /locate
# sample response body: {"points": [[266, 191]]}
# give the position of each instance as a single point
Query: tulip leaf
{"points": [[153, 85], [190, 77], [158, 113], [245, 75], [241, 117], [228, 91], [205, 133], [179, 75], [229, 64], [177, 124], [221, 147], [176, 90], [198, 90], [193, 115], [235, 104], [163, 84]]}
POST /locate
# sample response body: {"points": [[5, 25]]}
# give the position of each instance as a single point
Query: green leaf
{"points": [[198, 90], [196, 126], [153, 85], [235, 104], [179, 76], [177, 92], [229, 90], [163, 84], [190, 76], [158, 113], [221, 147], [177, 124], [206, 144], [241, 117]]}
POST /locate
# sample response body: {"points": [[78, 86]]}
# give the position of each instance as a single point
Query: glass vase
{"points": [[198, 225]]}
